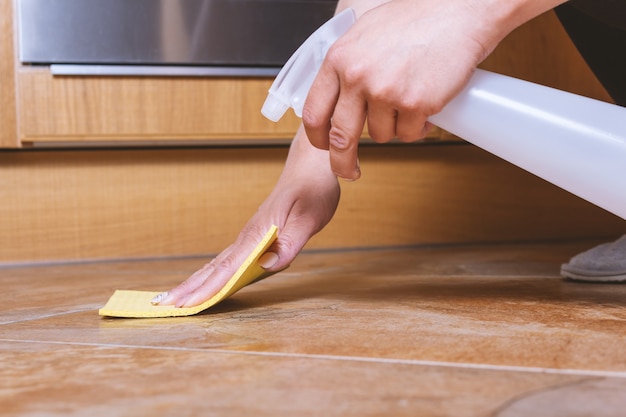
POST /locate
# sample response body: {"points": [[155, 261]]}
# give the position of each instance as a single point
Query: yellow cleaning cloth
{"points": [[138, 304]]}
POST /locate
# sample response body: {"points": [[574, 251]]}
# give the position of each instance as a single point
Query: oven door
{"points": [[166, 37]]}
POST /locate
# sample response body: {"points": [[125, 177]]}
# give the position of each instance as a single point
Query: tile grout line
{"points": [[415, 362], [46, 316]]}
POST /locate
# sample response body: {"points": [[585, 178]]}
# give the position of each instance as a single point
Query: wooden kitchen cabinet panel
{"points": [[123, 109], [8, 113], [65, 108]]}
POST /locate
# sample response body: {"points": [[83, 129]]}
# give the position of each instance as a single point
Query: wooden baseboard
{"points": [[99, 204]]}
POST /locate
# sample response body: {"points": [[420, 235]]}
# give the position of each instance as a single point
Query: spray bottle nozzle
{"points": [[292, 84]]}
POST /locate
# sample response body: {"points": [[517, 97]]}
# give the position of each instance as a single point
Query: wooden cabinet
{"points": [[38, 108], [8, 111], [114, 109]]}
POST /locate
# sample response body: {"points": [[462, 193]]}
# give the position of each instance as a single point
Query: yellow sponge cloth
{"points": [[137, 304]]}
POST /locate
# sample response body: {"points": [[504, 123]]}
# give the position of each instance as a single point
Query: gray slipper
{"points": [[603, 263]]}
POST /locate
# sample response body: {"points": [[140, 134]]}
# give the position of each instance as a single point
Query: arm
{"points": [[301, 204], [402, 62], [303, 201]]}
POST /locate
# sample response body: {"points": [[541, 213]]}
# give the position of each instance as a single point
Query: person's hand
{"points": [[301, 204], [400, 63]]}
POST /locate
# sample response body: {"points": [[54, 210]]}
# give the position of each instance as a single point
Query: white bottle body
{"points": [[574, 142]]}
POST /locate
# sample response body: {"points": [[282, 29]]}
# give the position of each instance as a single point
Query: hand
{"points": [[400, 63], [300, 205]]}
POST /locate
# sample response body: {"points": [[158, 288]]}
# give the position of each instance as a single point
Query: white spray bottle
{"points": [[574, 142]]}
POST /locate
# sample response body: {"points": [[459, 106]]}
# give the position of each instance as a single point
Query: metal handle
{"points": [[162, 71]]}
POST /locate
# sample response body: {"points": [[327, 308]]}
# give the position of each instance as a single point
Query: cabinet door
{"points": [[113, 109]]}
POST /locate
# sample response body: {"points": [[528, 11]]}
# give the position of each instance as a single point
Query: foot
{"points": [[603, 263]]}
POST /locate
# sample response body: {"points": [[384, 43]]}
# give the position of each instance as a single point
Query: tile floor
{"points": [[477, 330]]}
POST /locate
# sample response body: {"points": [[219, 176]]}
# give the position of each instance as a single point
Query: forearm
{"points": [[497, 17]]}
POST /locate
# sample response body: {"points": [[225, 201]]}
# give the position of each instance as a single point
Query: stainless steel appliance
{"points": [[166, 37]]}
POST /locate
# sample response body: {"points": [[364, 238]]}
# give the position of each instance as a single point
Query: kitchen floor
{"points": [[477, 330]]}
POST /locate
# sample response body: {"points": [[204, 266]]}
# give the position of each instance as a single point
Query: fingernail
{"points": [[268, 260], [156, 300]]}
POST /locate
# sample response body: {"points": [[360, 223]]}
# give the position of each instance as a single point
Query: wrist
{"points": [[304, 159]]}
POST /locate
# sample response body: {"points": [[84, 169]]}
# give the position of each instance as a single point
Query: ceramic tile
{"points": [[40, 291], [494, 305], [70, 380], [464, 331]]}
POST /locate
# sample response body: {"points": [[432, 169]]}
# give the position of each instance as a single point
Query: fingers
{"points": [[199, 283], [187, 287], [411, 125], [335, 113], [386, 124], [212, 277], [320, 105], [381, 122], [345, 131], [333, 118]]}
